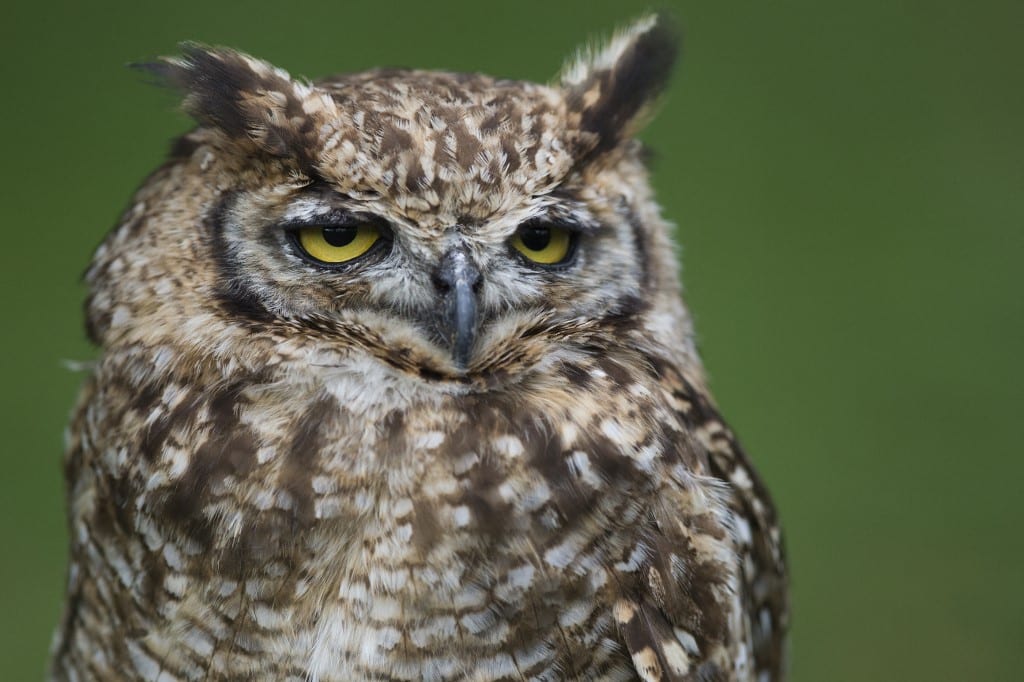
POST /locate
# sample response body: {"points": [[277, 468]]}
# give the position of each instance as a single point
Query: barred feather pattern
{"points": [[279, 469], [512, 537]]}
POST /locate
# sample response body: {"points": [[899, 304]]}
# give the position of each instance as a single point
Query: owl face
{"points": [[455, 226], [456, 290]]}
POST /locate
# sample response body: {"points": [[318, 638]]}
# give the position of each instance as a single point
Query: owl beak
{"points": [[458, 282]]}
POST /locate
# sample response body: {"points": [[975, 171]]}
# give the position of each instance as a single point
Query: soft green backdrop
{"points": [[848, 182]]}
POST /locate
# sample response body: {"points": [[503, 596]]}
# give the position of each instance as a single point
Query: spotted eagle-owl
{"points": [[397, 383]]}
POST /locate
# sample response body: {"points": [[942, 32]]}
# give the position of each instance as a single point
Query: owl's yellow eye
{"points": [[544, 244], [332, 244]]}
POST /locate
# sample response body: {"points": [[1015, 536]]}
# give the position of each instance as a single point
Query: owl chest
{"points": [[497, 547], [436, 594], [471, 537]]}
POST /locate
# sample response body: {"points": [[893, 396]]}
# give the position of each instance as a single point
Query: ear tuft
{"points": [[248, 100], [614, 88]]}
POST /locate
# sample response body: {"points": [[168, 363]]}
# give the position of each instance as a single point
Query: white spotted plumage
{"points": [[440, 459]]}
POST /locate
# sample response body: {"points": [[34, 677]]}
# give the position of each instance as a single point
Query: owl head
{"points": [[455, 227]]}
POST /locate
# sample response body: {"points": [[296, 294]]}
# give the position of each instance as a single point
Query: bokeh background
{"points": [[848, 185]]}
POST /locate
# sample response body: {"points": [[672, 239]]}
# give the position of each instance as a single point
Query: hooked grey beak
{"points": [[458, 282]]}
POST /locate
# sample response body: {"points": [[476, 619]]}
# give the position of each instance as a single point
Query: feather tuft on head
{"points": [[613, 88], [248, 100]]}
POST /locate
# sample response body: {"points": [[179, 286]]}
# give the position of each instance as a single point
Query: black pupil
{"points": [[340, 236], [536, 238]]}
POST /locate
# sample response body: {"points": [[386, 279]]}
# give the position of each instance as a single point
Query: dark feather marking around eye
{"points": [[320, 188], [569, 211], [233, 292], [640, 242]]}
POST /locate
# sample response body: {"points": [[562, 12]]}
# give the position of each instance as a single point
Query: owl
{"points": [[397, 383]]}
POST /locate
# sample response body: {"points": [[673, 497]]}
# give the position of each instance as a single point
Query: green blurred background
{"points": [[848, 182]]}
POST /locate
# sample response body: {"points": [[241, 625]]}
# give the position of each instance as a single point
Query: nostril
{"points": [[456, 271], [442, 283]]}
